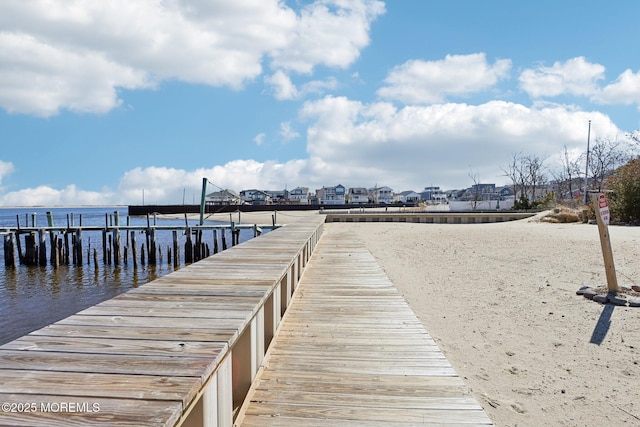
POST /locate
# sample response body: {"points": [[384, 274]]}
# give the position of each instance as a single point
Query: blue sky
{"points": [[102, 102]]}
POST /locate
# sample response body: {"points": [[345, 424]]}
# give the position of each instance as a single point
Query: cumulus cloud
{"points": [[76, 55], [412, 146], [342, 24], [625, 90], [361, 144], [428, 82], [576, 76], [45, 195]]}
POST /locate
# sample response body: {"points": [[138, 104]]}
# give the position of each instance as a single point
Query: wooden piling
{"points": [[79, 244], [31, 250], [215, 241], [9, 254], [224, 239], [176, 250], [134, 249], [66, 247], [42, 248], [188, 248], [116, 243]]}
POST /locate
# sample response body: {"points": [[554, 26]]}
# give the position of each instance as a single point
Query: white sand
{"points": [[500, 300]]}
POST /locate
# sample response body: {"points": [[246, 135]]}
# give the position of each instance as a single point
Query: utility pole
{"points": [[586, 169]]}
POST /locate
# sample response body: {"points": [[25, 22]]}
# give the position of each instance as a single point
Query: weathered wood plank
{"points": [[106, 363], [97, 385], [351, 352], [53, 410]]}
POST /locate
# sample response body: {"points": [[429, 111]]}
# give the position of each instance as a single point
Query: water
{"points": [[32, 297]]}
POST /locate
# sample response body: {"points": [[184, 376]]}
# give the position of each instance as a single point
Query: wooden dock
{"points": [[350, 351], [181, 350]]}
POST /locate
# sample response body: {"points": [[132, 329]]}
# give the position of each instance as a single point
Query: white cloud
{"points": [[284, 89], [47, 196], [341, 24], [75, 54], [427, 82], [259, 138], [5, 169], [282, 86], [574, 77], [360, 144], [287, 133], [412, 146], [625, 90]]}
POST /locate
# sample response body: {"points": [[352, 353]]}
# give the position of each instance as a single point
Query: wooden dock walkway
{"points": [[350, 351], [181, 350]]}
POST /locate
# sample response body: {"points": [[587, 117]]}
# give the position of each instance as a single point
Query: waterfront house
{"points": [[223, 197], [407, 197], [255, 197], [331, 195], [358, 195], [382, 195], [299, 195]]}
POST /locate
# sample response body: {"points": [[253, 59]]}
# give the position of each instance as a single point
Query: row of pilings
{"points": [[66, 244]]}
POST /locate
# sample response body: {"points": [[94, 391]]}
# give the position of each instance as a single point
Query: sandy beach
{"points": [[500, 300]]}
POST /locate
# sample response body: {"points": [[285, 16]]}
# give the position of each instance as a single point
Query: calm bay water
{"points": [[32, 297]]}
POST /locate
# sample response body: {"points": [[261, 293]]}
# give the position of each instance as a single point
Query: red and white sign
{"points": [[603, 204]]}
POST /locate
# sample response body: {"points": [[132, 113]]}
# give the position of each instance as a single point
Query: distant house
{"points": [[255, 197], [381, 195], [299, 195], [331, 195], [278, 196], [223, 197], [358, 195], [433, 195], [407, 197]]}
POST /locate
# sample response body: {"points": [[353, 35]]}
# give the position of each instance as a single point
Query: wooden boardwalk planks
{"points": [[155, 353], [350, 351]]}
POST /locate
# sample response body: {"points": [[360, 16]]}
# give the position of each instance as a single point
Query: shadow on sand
{"points": [[602, 327]]}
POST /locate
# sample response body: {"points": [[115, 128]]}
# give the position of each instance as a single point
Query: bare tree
{"points": [[566, 175], [527, 175], [605, 156], [475, 189]]}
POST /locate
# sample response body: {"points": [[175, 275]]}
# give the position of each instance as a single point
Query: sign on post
{"points": [[601, 206]]}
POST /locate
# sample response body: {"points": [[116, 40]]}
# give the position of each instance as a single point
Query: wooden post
{"points": [[134, 249], [42, 250], [116, 244], [66, 248], [79, 244], [176, 249], [601, 207], [224, 239], [9, 254], [188, 248], [95, 259], [151, 248], [215, 241], [53, 254], [31, 250], [104, 246]]}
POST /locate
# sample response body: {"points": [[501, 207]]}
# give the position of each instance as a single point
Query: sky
{"points": [[129, 103]]}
